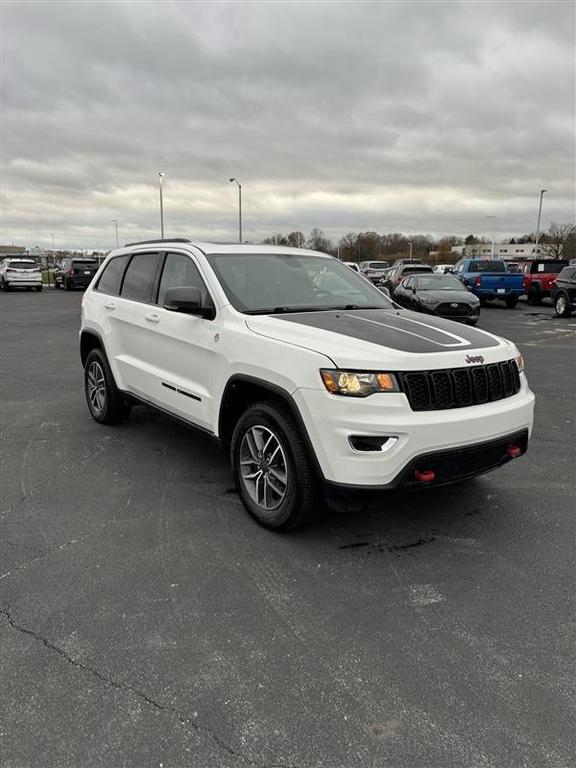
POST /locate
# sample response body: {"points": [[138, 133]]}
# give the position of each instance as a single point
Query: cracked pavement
{"points": [[146, 621]]}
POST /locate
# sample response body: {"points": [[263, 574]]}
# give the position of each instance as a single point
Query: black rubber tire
{"points": [[567, 311], [484, 302], [56, 285], [302, 497], [5, 286], [38, 288], [511, 301], [68, 285], [115, 409], [471, 322], [534, 297]]}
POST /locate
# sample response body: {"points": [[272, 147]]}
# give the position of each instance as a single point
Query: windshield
{"points": [[22, 264], [85, 264], [487, 266], [416, 270], [284, 282], [548, 266], [439, 283], [376, 265]]}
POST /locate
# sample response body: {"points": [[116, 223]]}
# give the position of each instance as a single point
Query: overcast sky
{"points": [[349, 116]]}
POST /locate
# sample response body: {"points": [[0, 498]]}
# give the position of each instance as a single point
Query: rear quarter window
{"points": [[111, 278]]}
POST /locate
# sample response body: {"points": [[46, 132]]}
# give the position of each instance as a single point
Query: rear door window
{"points": [[139, 277], [111, 278]]}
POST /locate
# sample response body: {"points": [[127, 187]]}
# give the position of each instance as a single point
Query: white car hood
{"points": [[384, 339]]}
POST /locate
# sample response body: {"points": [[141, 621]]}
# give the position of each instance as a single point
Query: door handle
{"points": [[110, 305], [152, 318]]}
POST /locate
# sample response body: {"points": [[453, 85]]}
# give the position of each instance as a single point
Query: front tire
{"points": [[511, 301], [272, 469], [105, 401], [562, 306]]}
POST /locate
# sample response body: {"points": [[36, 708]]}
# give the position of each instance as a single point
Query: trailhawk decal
{"points": [[401, 330]]}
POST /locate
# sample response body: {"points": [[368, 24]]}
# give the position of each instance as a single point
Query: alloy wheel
{"points": [[96, 384], [561, 305], [263, 467]]}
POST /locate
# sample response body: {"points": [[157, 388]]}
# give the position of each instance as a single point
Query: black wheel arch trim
{"points": [[90, 332], [286, 398]]}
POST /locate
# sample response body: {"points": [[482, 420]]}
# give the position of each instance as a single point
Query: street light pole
{"points": [[161, 176], [539, 215], [115, 222], [410, 244], [239, 208], [493, 236]]}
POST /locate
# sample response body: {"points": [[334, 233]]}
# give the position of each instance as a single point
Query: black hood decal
{"points": [[396, 329]]}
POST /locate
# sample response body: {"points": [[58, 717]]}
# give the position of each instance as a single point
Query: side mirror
{"points": [[188, 301]]}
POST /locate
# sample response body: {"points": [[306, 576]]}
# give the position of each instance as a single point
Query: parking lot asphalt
{"points": [[147, 621]]}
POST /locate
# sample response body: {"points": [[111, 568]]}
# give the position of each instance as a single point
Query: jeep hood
{"points": [[372, 338]]}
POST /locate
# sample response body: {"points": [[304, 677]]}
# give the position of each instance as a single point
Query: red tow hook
{"points": [[514, 451], [424, 477]]}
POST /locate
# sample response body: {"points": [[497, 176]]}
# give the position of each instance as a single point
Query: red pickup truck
{"points": [[539, 277]]}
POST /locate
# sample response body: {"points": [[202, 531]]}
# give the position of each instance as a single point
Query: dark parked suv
{"points": [[564, 292], [75, 273]]}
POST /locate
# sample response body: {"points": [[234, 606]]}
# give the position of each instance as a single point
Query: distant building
{"points": [[501, 251], [12, 250]]}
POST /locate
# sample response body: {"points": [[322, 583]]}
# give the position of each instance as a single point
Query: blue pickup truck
{"points": [[488, 279]]}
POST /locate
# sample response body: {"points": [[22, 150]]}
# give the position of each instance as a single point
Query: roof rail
{"points": [[164, 240]]}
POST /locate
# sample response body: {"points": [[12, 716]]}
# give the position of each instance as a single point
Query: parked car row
{"points": [[478, 282]]}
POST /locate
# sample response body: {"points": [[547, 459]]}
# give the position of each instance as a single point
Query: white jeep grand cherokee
{"points": [[309, 376]]}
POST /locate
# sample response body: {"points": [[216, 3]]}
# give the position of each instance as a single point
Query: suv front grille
{"points": [[460, 387]]}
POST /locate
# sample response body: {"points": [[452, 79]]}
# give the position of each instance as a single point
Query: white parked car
{"points": [[353, 265], [442, 268], [17, 272], [309, 376]]}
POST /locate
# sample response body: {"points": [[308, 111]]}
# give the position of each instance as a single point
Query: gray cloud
{"points": [[389, 116]]}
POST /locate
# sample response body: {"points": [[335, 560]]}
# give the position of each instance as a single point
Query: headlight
{"points": [[428, 300], [358, 383], [519, 362]]}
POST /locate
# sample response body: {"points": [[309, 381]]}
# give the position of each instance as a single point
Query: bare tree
{"points": [[559, 242], [296, 239], [318, 242]]}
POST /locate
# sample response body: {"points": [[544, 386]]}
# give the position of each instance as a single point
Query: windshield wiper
{"points": [[287, 310]]}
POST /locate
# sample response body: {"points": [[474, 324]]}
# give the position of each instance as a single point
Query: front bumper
{"points": [[331, 420]]}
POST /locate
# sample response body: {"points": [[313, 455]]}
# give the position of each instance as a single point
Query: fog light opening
{"points": [[371, 443]]}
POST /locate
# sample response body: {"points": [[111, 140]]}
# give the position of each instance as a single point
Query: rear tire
{"points": [[5, 286], [534, 298], [56, 285], [511, 301], [105, 402], [68, 285], [38, 288], [562, 306], [272, 470]]}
